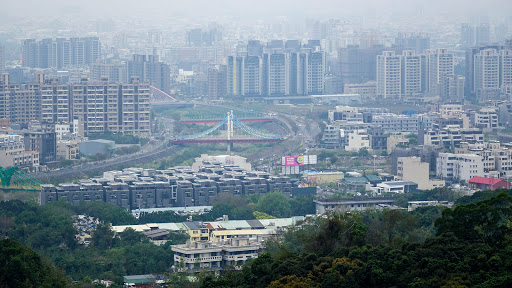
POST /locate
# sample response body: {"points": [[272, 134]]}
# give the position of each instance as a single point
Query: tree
{"points": [[413, 139], [293, 281], [103, 237], [261, 215], [227, 204], [161, 217], [275, 204], [489, 221], [106, 212], [129, 237], [302, 205], [363, 152], [388, 225], [21, 266], [176, 237]]}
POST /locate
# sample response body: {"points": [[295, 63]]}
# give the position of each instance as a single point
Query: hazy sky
{"points": [[254, 8]]}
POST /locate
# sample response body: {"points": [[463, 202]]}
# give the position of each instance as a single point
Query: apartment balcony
{"points": [[196, 260], [240, 257]]}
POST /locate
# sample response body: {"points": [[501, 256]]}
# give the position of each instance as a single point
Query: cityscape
{"points": [[255, 144]]}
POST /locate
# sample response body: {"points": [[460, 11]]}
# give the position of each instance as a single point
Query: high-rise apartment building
{"points": [[506, 68], [475, 35], [2, 59], [411, 73], [217, 80], [467, 35], [149, 69], [114, 72], [198, 37], [417, 42], [195, 37], [98, 105], [30, 55], [470, 67], [316, 72], [487, 71], [389, 75], [452, 89], [60, 53], [121, 107], [251, 76], [358, 65], [482, 34], [234, 75], [254, 48], [277, 73], [20, 103], [292, 46], [298, 73], [440, 64], [55, 102]]}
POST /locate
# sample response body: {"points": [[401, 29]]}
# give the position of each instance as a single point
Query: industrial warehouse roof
{"points": [[156, 233], [139, 279], [138, 228], [235, 224], [255, 224], [354, 179], [397, 183], [373, 177], [195, 209], [244, 232], [172, 226], [215, 225]]}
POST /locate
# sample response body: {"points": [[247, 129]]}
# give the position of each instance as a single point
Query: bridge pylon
{"points": [[227, 126]]}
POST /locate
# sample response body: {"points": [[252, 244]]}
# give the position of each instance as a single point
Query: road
{"points": [[303, 134], [107, 165]]}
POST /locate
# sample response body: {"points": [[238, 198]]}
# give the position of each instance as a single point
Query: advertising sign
{"points": [[294, 161]]}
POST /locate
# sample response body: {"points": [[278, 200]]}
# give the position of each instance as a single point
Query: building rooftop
{"points": [[101, 141], [193, 225], [484, 180], [354, 179], [398, 183]]}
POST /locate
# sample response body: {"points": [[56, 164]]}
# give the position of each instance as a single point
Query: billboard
{"points": [[293, 160], [290, 161]]}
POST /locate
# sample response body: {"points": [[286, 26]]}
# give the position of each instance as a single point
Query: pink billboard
{"points": [[294, 161]]}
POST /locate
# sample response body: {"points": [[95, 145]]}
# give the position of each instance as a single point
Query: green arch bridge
{"points": [[14, 178]]}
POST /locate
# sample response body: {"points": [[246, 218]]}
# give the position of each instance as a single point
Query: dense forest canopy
{"points": [[466, 246]]}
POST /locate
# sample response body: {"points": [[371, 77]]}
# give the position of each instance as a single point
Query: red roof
{"points": [[484, 180]]}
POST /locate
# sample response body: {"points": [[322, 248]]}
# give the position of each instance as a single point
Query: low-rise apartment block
{"points": [[355, 204], [412, 169], [136, 188], [12, 153], [460, 167], [68, 149], [495, 156], [206, 255], [452, 137]]}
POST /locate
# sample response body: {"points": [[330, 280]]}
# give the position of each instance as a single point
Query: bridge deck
{"points": [[226, 141], [205, 121]]}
